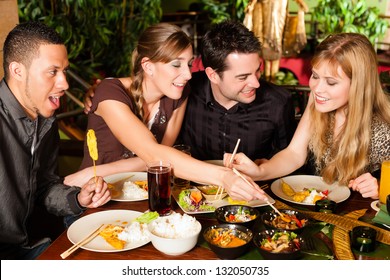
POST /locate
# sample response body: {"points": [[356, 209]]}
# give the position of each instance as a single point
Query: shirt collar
{"points": [[210, 100], [10, 103]]}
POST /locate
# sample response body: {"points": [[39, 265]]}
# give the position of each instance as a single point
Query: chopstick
{"points": [[267, 201], [234, 152], [220, 189], [264, 187], [218, 193], [82, 242]]}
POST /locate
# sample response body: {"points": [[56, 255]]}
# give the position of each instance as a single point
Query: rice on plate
{"points": [[135, 232], [133, 191]]}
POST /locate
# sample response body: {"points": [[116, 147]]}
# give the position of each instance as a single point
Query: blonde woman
{"points": [[137, 120], [346, 125]]}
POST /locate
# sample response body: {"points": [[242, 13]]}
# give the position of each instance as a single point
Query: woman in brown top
{"points": [[346, 125], [142, 116]]}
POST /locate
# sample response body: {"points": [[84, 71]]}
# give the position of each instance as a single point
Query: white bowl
{"points": [[209, 192], [174, 246]]}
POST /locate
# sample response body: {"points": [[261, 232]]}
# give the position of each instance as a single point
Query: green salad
{"points": [[187, 202]]}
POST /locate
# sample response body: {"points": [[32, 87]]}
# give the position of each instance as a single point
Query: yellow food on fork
{"points": [[92, 147], [92, 144]]}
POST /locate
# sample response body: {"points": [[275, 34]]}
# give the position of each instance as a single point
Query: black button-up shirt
{"points": [[28, 170], [265, 126]]}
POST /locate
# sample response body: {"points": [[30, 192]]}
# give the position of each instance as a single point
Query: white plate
{"points": [[119, 179], [87, 224], [219, 203], [298, 182]]}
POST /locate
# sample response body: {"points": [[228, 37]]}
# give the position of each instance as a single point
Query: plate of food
{"points": [[191, 201], [122, 231], [128, 186], [307, 189]]}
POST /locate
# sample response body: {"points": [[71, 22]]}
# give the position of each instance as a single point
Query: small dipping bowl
{"points": [[363, 239], [325, 206]]}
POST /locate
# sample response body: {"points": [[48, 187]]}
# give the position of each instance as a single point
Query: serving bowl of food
{"points": [[278, 245], [237, 214], [212, 192], [228, 241], [175, 234], [292, 220]]}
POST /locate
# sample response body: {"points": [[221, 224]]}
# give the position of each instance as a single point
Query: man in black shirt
{"points": [[229, 101], [35, 64]]}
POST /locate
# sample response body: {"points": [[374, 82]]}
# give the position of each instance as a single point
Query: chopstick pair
{"points": [[220, 189], [219, 193], [82, 242], [249, 183]]}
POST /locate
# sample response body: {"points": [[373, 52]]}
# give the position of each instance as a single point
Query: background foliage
{"points": [[221, 10], [335, 16], [99, 34]]}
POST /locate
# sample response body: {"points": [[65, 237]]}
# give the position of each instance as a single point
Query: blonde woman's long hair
{"points": [[350, 150], [162, 42]]}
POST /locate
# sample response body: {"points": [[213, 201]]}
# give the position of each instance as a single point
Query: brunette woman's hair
{"points": [[162, 42]]}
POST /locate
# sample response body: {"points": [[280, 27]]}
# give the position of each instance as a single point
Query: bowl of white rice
{"points": [[175, 234]]}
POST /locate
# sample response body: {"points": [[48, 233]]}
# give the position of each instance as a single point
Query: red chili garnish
{"points": [[298, 222]]}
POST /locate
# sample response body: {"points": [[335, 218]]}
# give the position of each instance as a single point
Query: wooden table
{"points": [[354, 202]]}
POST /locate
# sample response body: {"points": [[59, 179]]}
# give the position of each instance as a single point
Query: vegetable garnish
{"points": [[92, 147], [147, 217], [190, 201]]}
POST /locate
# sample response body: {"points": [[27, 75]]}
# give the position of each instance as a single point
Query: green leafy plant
{"points": [[99, 34], [221, 10], [335, 16]]}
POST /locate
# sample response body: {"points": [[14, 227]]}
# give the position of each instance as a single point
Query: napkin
{"points": [[382, 217]]}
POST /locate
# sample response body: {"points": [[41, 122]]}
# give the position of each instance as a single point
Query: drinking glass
{"points": [[159, 187], [179, 182], [384, 188]]}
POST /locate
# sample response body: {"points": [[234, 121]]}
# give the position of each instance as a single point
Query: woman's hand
{"points": [[88, 96], [366, 184], [238, 189], [94, 194], [243, 164]]}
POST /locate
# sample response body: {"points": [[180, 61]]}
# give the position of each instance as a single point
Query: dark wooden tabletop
{"points": [[62, 243]]}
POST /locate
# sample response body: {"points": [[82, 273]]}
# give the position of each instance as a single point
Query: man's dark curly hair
{"points": [[225, 38]]}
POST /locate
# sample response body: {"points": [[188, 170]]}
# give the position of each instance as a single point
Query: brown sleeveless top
{"points": [[109, 148]]}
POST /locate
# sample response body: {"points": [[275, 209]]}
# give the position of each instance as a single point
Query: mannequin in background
{"points": [[276, 30]]}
